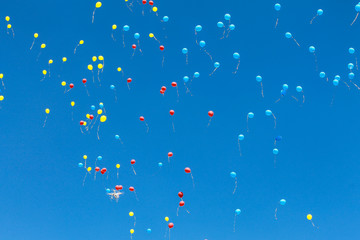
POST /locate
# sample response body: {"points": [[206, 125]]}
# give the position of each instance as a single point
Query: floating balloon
{"points": [[165, 18]]}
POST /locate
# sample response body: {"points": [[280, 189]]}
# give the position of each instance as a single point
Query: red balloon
{"points": [[97, 169], [131, 189], [142, 118], [162, 48], [132, 161], [162, 92], [211, 113], [84, 80], [144, 1], [118, 187], [129, 80], [151, 2], [103, 170], [180, 194], [91, 117], [174, 84], [171, 225], [170, 154], [133, 46], [81, 122], [163, 88], [71, 85], [172, 112], [187, 170], [181, 203]]}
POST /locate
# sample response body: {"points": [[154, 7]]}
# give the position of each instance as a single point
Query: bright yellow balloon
{"points": [[119, 69], [94, 58], [90, 67], [1, 97], [51, 61], [155, 9], [88, 116], [114, 27], [44, 72], [98, 5], [72, 103], [117, 165], [151, 35], [103, 118], [131, 214], [101, 58], [167, 219], [84, 123], [7, 18], [47, 111], [36, 35], [9, 26], [64, 59], [85, 157], [81, 42], [1, 76], [100, 66], [43, 45], [63, 83], [99, 111], [309, 217], [132, 231], [89, 169]]}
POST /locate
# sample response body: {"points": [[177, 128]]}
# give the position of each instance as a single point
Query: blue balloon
{"points": [[216, 64], [351, 50], [285, 87], [220, 24], [350, 66], [198, 28], [299, 89], [112, 87], [282, 202], [148, 230], [196, 74], [278, 138], [236, 55], [277, 6], [351, 76], [320, 12], [241, 137], [233, 174], [275, 151], [232, 27], [202, 43], [186, 79], [160, 164], [312, 49], [227, 17], [288, 35], [322, 75], [165, 18], [117, 137], [268, 112], [258, 78], [108, 190], [137, 35], [335, 82], [357, 7], [101, 105], [92, 107], [99, 158], [337, 77], [237, 211], [251, 115], [126, 28], [184, 50], [80, 165]]}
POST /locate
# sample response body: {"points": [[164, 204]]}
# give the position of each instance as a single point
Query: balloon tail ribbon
{"points": [[123, 39], [49, 71], [37, 59], [117, 174], [45, 121], [133, 170], [235, 185], [129, 8], [134, 221], [137, 199], [313, 19], [247, 123], [347, 85], [177, 92], [32, 45], [239, 147], [177, 212], [208, 54], [76, 48], [99, 77], [228, 33], [237, 67], [87, 91], [196, 38], [295, 98], [355, 85], [128, 86], [296, 42], [275, 214], [157, 40], [187, 59], [115, 95], [234, 222], [93, 16], [354, 19], [316, 62], [274, 161], [212, 72], [303, 98], [262, 89], [139, 46], [95, 176], [357, 67], [163, 59], [209, 122], [147, 127], [277, 22], [173, 126], [98, 132], [192, 178], [223, 35], [84, 179], [274, 121], [112, 36], [277, 100]]}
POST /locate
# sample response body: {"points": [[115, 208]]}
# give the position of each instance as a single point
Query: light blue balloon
{"points": [[282, 202], [357, 7], [236, 55], [241, 137], [108, 190], [202, 43], [137, 35], [299, 89], [233, 174], [312, 49], [112, 87], [268, 112], [258, 78], [337, 77], [251, 115], [350, 66], [117, 137], [165, 18], [216, 64], [196, 74], [322, 75], [320, 12], [148, 230], [126, 28], [101, 105], [232, 27], [335, 82], [93, 107], [237, 211], [277, 6], [275, 151], [227, 17], [351, 76], [184, 50], [80, 165], [351, 50], [288, 35], [186, 79], [285, 87], [198, 28], [220, 24], [99, 158], [160, 164]]}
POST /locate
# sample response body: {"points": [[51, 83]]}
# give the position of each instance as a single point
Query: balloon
{"points": [[112, 87], [165, 18], [133, 46], [131, 214], [142, 118], [148, 230], [299, 89], [251, 115], [216, 64], [94, 58], [277, 6], [202, 43], [170, 154], [283, 92], [7, 18], [151, 2], [187, 170], [233, 174], [350, 66], [47, 110], [160, 164], [237, 211], [101, 58], [337, 77], [132, 231], [80, 165], [98, 5], [181, 203], [136, 35], [132, 161], [108, 190], [351, 50], [72, 103], [275, 151], [126, 28], [335, 82], [119, 69], [167, 219], [309, 217], [117, 137], [285, 86], [118, 187], [97, 169], [258, 78], [114, 27], [227, 17], [85, 157], [220, 24], [100, 66], [103, 118], [357, 7], [186, 79], [51, 61], [44, 72], [184, 50], [81, 42], [9, 26], [90, 67], [131, 189], [99, 111], [268, 112], [36, 35], [282, 202], [351, 76], [43, 45], [312, 49], [155, 9], [64, 59], [170, 225], [211, 113], [288, 35], [117, 166], [162, 48], [236, 55], [198, 28], [241, 137], [232, 27], [71, 85], [196, 74], [172, 112], [322, 75], [174, 84], [320, 12], [103, 170], [89, 169], [99, 158], [180, 194], [1, 97], [92, 107], [278, 138]]}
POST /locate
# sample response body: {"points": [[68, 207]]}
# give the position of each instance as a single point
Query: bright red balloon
{"points": [[171, 225], [81, 122], [91, 117], [134, 46], [71, 85], [180, 194], [131, 189], [132, 161], [211, 113], [162, 92], [103, 170], [174, 84], [172, 112], [170, 154], [129, 80], [84, 80], [187, 170], [162, 48], [118, 187], [142, 118], [151, 2], [163, 88], [97, 169], [144, 1], [181, 203]]}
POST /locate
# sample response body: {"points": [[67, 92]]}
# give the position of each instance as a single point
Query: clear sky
{"points": [[317, 170]]}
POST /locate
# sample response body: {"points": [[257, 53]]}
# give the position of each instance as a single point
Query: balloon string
{"points": [[129, 7], [208, 54], [262, 89], [134, 221], [277, 21], [32, 45], [347, 85], [98, 132], [95, 176], [354, 19], [13, 32], [313, 19], [303, 97], [355, 85], [234, 221], [274, 120], [147, 127], [187, 59], [123, 39], [87, 90], [45, 121], [177, 92], [316, 62], [157, 40], [235, 185], [295, 98], [177, 212], [296, 42], [93, 16], [95, 121], [76, 48], [247, 123], [84, 179], [115, 95], [275, 214], [223, 35], [237, 67], [37, 59], [357, 67], [192, 178], [136, 196], [196, 38], [274, 161], [99, 77], [133, 170], [163, 59], [173, 126], [209, 122], [212, 72], [239, 147], [278, 100], [49, 71], [139, 45], [112, 36], [117, 175]]}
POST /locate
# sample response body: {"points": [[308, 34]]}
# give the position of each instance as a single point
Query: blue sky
{"points": [[42, 196]]}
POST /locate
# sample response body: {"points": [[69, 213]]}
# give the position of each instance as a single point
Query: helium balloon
{"points": [[187, 170], [99, 111], [98, 5], [351, 50], [184, 50], [80, 165], [196, 74], [89, 169], [136, 35], [233, 174], [275, 151], [322, 75], [148, 230], [236, 55], [126, 28], [241, 137], [309, 217], [47, 110], [117, 137], [351, 76], [99, 158], [258, 78], [277, 6], [131, 214], [288, 35], [72, 103], [202, 43], [282, 202], [167, 219], [350, 66], [64, 59], [170, 225], [132, 231], [299, 89], [285, 86], [165, 18], [216, 64], [90, 67], [320, 12], [220, 24], [227, 17], [108, 190], [335, 82], [268, 112], [160, 164], [118, 166], [211, 113], [103, 118], [186, 79], [181, 194], [198, 28], [232, 27], [155, 9], [43, 45], [92, 107], [312, 49], [251, 115], [237, 211]]}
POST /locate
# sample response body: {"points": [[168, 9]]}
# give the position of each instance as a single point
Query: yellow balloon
{"points": [[119, 69], [51, 61], [155, 9], [63, 83], [1, 97], [151, 35], [309, 217], [99, 111], [64, 59], [72, 103], [88, 116], [94, 58], [114, 27], [7, 18], [36, 35], [84, 123], [98, 5], [44, 72], [9, 26], [47, 111], [131, 214], [90, 67], [85, 157], [1, 76], [117, 165], [132, 231], [101, 58], [167, 219], [43, 45], [100, 66], [81, 42], [89, 169], [103, 118]]}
